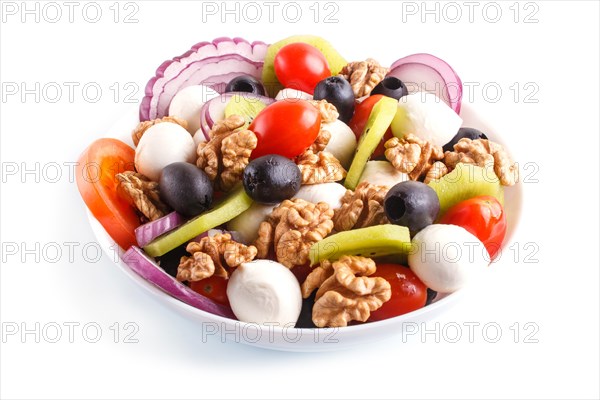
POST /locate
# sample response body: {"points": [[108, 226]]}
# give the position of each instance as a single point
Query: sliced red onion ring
{"points": [[147, 268], [146, 233], [212, 63], [425, 72], [207, 72], [214, 109]]}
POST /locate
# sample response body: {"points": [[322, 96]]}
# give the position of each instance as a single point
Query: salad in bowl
{"points": [[281, 185]]}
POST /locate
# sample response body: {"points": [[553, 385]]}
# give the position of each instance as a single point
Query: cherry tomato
{"points": [[300, 66], [408, 292], [484, 217], [359, 121], [215, 288], [95, 175], [286, 128]]}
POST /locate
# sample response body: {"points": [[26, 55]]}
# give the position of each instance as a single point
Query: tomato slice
{"points": [[408, 292], [214, 287], [95, 175]]}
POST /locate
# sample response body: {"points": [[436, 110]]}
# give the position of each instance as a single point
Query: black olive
{"points": [[337, 91], [412, 204], [392, 87], [470, 133], [271, 179], [186, 188], [245, 83]]}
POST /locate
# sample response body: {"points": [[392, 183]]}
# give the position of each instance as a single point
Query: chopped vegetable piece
{"points": [[374, 241], [236, 203]]}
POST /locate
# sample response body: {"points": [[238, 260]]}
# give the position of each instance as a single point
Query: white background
{"points": [[559, 133]]}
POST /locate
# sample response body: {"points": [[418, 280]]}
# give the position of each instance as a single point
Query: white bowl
{"points": [[289, 338]]}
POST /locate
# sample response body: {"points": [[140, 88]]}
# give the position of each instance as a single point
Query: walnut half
{"points": [[484, 153], [364, 76], [317, 276], [349, 294], [224, 157], [210, 255], [236, 150], [361, 208], [328, 114], [319, 167], [142, 193], [328, 111], [412, 155], [292, 228]]}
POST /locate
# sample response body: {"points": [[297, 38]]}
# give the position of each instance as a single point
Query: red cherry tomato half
{"points": [[215, 288], [362, 111], [286, 128], [408, 292], [96, 170], [300, 66], [484, 217]]}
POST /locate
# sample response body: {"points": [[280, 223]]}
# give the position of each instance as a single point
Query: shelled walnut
{"points": [[319, 167], [437, 171], [142, 193], [347, 293], [210, 255], [224, 157], [412, 155], [361, 208], [364, 76], [315, 279], [328, 111], [484, 153], [321, 141], [236, 150], [328, 114], [292, 228]]}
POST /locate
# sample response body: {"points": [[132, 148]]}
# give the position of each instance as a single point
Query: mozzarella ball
{"points": [[247, 223], [427, 116], [447, 257], [163, 144], [265, 291], [342, 143], [330, 193], [187, 104], [382, 173]]}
